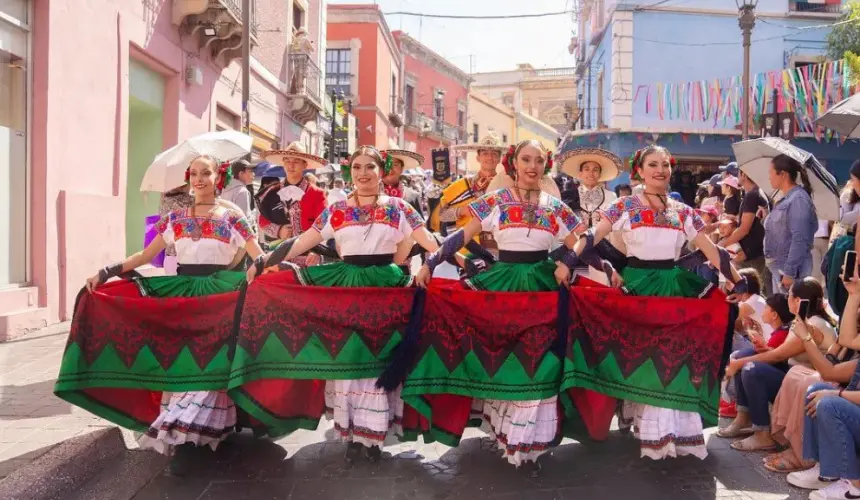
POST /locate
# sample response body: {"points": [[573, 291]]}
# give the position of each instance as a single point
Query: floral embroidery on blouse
{"points": [[183, 226], [511, 212], [341, 215], [641, 215]]}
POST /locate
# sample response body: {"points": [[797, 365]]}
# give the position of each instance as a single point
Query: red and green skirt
{"points": [[293, 338], [132, 340]]}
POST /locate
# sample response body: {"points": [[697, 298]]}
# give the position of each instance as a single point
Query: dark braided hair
{"points": [[787, 164]]}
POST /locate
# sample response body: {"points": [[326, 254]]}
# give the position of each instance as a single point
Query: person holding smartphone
{"points": [[831, 433], [761, 374]]}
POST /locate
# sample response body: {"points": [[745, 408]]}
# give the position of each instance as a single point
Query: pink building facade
{"points": [[96, 88]]}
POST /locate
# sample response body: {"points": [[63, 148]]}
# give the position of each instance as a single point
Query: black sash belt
{"points": [[650, 264], [199, 269], [369, 260], [518, 257]]}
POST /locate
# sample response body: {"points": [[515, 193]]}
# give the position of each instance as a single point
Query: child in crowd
{"points": [[765, 326], [725, 228]]}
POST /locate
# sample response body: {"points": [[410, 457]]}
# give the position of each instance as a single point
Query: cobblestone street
{"points": [[309, 465]]}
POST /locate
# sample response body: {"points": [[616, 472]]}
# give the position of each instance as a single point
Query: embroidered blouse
{"points": [[650, 234], [507, 218], [219, 237], [368, 230]]}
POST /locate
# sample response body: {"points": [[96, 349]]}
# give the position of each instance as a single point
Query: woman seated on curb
{"points": [[776, 318], [761, 374], [831, 430]]}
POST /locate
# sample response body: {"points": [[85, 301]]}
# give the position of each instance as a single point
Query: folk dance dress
{"points": [[205, 246], [654, 240], [525, 233], [367, 238]]}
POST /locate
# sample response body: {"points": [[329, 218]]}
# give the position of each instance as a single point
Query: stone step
{"points": [[123, 478], [14, 324], [18, 298], [62, 470]]}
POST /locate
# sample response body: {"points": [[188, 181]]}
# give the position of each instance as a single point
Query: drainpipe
{"points": [[246, 67]]}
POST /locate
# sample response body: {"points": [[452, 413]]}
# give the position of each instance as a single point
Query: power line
{"points": [[509, 16], [735, 42]]}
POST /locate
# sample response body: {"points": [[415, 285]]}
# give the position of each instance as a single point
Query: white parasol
{"points": [[168, 169], [754, 157], [843, 118]]}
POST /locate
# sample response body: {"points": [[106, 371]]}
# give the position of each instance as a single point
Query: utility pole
{"points": [[746, 20], [246, 66]]}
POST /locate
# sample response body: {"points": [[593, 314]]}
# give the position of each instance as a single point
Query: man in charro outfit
{"points": [[592, 168], [290, 208], [454, 208], [392, 183]]}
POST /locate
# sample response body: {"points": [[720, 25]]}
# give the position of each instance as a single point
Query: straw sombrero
{"points": [[572, 161], [294, 150], [490, 142], [410, 160]]}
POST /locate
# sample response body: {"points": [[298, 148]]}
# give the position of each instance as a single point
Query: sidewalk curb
{"points": [[66, 467]]}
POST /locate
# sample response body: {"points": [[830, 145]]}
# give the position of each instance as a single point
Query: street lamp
{"points": [[335, 95], [746, 20]]}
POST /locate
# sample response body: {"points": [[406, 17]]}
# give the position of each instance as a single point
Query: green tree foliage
{"points": [[844, 39]]}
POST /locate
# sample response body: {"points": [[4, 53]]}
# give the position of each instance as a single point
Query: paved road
{"points": [[310, 466]]}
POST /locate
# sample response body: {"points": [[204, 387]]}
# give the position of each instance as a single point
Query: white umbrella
{"points": [[843, 118], [331, 168], [414, 172], [754, 157], [168, 169]]}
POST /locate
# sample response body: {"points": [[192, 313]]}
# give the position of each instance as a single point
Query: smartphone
{"points": [[803, 310], [849, 265]]}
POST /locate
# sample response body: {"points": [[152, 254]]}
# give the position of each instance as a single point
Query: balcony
{"points": [[798, 7], [448, 131], [216, 24], [304, 90], [419, 121]]}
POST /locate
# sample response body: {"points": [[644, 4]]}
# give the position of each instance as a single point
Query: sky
{"points": [[497, 44]]}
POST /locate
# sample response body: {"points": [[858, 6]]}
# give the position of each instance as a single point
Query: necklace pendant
{"points": [[363, 217], [530, 216]]}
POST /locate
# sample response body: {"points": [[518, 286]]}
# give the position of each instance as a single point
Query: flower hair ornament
{"points": [[638, 157], [513, 151], [383, 159]]}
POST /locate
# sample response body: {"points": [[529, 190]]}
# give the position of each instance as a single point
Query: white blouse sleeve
{"points": [[323, 224], [165, 228], [486, 210]]}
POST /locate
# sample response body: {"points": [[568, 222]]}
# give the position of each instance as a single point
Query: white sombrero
{"points": [[294, 150], [571, 162], [490, 142], [410, 160]]}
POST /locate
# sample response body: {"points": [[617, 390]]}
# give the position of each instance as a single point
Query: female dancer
{"points": [[207, 236], [368, 228], [527, 223], [655, 228]]}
